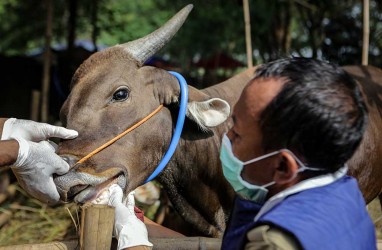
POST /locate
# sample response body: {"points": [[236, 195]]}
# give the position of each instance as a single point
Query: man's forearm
{"points": [[8, 152]]}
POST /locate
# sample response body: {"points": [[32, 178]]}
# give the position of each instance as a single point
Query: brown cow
{"points": [[365, 165], [112, 90]]}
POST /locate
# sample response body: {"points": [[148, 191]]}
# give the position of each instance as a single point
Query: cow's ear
{"points": [[204, 110], [207, 112]]}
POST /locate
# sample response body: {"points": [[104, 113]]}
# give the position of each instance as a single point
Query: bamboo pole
{"points": [[366, 32], [96, 227], [248, 41], [47, 60]]}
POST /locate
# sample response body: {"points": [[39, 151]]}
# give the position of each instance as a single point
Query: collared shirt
{"points": [[267, 237], [314, 182]]}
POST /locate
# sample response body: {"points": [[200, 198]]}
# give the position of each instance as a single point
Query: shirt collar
{"points": [[314, 182]]}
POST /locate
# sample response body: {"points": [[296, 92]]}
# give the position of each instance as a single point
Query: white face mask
{"points": [[232, 168]]}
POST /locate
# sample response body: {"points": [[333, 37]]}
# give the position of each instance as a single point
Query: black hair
{"points": [[319, 112]]}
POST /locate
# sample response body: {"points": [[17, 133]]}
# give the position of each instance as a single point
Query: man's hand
{"points": [[129, 230], [34, 131], [34, 167]]}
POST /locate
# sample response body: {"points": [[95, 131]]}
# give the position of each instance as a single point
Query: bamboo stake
{"points": [[366, 32], [248, 41], [96, 227]]}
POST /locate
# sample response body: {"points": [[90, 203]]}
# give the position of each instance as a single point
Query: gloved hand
{"points": [[129, 230], [34, 167], [34, 131]]}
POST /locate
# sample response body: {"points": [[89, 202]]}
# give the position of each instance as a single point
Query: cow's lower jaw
{"points": [[94, 193]]}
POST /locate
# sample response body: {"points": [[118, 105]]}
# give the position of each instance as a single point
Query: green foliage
{"points": [[121, 23], [15, 30], [212, 27], [330, 29]]}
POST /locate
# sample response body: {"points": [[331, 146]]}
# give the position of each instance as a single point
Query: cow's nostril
{"points": [[65, 158], [69, 159]]}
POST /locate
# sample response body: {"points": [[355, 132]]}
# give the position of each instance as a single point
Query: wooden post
{"points": [[96, 227], [47, 60], [366, 32], [35, 105], [248, 41], [94, 22]]}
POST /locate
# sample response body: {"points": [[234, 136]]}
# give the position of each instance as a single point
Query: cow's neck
{"points": [[231, 89]]}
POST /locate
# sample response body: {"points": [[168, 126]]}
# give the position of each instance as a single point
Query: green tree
{"points": [[328, 29]]}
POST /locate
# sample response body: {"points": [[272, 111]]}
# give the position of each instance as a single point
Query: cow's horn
{"points": [[143, 48]]}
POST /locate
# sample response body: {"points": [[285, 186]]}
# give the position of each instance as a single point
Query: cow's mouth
{"points": [[84, 188], [87, 193]]}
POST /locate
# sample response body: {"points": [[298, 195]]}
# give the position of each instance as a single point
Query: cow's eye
{"points": [[120, 94]]}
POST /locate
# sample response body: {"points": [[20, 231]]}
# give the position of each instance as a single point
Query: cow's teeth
{"points": [[103, 198]]}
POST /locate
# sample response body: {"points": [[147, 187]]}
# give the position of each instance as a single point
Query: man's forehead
{"points": [[260, 92]]}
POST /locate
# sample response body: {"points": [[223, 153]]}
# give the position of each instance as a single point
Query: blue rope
{"points": [[178, 128]]}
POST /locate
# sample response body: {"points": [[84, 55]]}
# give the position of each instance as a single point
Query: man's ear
{"points": [[287, 170]]}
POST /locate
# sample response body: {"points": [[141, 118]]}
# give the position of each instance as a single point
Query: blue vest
{"points": [[329, 217]]}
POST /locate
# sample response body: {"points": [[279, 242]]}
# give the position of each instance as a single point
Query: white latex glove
{"points": [[130, 230], [34, 131], [34, 167]]}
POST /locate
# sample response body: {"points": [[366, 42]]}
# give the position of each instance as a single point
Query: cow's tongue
{"points": [[89, 193]]}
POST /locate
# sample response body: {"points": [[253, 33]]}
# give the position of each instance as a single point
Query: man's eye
{"points": [[121, 95], [234, 136], [234, 133]]}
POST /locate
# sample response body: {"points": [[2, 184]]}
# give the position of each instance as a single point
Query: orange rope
{"points": [[120, 135]]}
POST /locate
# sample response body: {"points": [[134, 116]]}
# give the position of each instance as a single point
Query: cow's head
{"points": [[111, 91]]}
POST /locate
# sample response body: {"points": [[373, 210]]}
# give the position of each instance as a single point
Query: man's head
{"points": [[310, 107]]}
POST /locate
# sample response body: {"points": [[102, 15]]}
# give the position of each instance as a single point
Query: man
{"points": [[294, 127], [24, 145]]}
